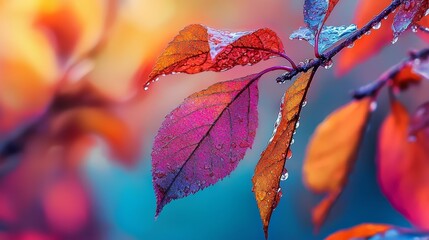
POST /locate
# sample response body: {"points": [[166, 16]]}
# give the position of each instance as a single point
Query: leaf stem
{"points": [[325, 57], [283, 55], [373, 88]]}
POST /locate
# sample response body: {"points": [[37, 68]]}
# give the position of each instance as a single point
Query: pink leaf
{"points": [[202, 140]]}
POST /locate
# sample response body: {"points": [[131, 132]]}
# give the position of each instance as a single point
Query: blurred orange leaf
{"points": [[403, 166], [365, 231], [271, 166], [406, 77], [367, 46], [72, 124], [332, 152], [198, 48]]}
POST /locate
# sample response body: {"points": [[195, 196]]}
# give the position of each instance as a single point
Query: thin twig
{"points": [[325, 57], [373, 88]]}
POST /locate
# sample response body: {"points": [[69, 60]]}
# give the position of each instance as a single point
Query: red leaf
{"points": [[269, 170], [367, 46], [403, 167], [409, 13], [316, 13], [198, 48], [332, 152], [202, 140]]}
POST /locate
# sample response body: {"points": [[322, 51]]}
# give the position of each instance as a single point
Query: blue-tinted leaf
{"points": [[328, 37], [410, 12], [316, 12]]}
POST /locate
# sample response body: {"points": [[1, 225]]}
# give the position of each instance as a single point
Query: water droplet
{"points": [[407, 5], [304, 103], [285, 175], [260, 195], [351, 45], [386, 17], [368, 33], [292, 141], [244, 144], [394, 40], [373, 106], [297, 125], [414, 28], [394, 10], [328, 64], [289, 154], [376, 26], [146, 88]]}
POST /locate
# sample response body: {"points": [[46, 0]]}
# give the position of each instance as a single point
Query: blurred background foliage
{"points": [[76, 127]]}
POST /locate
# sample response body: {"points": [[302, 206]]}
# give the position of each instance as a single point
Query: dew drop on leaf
{"points": [[304, 103], [414, 28], [395, 39], [368, 33], [328, 64], [146, 88], [351, 45], [260, 195], [292, 141], [285, 175], [376, 26], [289, 154]]}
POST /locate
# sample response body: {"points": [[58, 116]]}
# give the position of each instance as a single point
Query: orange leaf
{"points": [[332, 151], [406, 77], [74, 123], [360, 231], [198, 48], [367, 46], [266, 180], [403, 167]]}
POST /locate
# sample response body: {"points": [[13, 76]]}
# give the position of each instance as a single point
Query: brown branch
{"points": [[326, 57]]}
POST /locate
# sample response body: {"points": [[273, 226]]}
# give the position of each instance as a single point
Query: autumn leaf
{"points": [[409, 13], [329, 35], [377, 231], [198, 48], [367, 46], [365, 230], [403, 166], [202, 140], [332, 152], [316, 13], [271, 166], [406, 77], [70, 125]]}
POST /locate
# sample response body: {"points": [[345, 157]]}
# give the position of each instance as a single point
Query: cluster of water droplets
{"points": [[146, 86]]}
